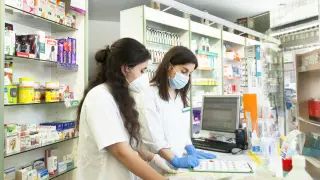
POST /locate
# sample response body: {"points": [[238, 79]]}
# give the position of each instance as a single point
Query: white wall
{"points": [[101, 33]]}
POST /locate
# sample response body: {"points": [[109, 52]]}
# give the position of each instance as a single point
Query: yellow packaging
{"points": [[26, 90], [52, 92], [26, 94]]}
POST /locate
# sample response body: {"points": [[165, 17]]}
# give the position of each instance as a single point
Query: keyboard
{"points": [[211, 145]]}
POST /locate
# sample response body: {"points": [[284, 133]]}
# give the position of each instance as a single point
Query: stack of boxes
{"points": [[28, 136], [40, 46]]}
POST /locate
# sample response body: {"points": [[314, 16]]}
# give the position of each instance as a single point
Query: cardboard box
{"points": [[40, 7], [60, 50], [33, 42], [51, 49], [28, 6], [51, 10]]}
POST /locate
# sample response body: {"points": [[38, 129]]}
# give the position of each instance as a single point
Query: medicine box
{"points": [[60, 12], [40, 7], [51, 10], [51, 49], [28, 6], [12, 144]]}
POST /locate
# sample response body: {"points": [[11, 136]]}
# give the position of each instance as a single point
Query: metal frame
{"points": [[196, 12], [222, 96]]}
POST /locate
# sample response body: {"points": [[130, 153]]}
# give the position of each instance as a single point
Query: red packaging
{"points": [[287, 164], [314, 109]]}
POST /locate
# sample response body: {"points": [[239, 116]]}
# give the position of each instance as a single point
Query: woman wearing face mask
{"points": [[168, 111], [108, 120]]}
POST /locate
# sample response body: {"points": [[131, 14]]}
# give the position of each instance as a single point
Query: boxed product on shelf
{"points": [[28, 6], [67, 50], [73, 44], [70, 20], [10, 94], [40, 7], [12, 144], [51, 48], [9, 40], [60, 12], [51, 10], [8, 73], [33, 43], [22, 46], [65, 129], [41, 45]]}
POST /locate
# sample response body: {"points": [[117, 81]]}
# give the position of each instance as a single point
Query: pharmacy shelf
{"points": [[42, 103], [308, 121], [27, 18], [40, 147], [200, 52], [60, 174], [315, 67], [205, 68], [160, 44], [63, 66]]}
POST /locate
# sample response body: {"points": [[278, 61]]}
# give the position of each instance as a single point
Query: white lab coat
{"points": [[101, 125], [168, 123]]}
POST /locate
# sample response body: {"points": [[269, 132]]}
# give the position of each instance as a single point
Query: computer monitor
{"points": [[220, 114]]}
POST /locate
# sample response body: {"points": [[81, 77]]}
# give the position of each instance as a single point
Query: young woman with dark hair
{"points": [[168, 109], [107, 118]]}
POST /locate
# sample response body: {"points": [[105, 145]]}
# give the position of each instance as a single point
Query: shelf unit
{"points": [[39, 147], [308, 81], [42, 70], [141, 18], [233, 55]]}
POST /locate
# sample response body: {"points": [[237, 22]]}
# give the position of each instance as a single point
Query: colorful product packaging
{"points": [[67, 52], [73, 43], [12, 144], [60, 12], [51, 10], [41, 45], [33, 45], [51, 49], [60, 50], [28, 6], [10, 94], [40, 7], [22, 46]]}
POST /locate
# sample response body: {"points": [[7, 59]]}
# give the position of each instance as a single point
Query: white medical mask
{"points": [[139, 84], [179, 81]]}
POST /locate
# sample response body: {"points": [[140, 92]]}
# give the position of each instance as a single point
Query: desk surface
{"points": [[259, 173]]}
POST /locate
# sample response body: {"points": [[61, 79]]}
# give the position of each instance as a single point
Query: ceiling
{"points": [[231, 10]]}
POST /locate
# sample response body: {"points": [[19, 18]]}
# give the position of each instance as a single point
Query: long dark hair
{"points": [[178, 55], [128, 52]]}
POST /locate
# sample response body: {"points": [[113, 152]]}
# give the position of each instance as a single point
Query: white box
{"points": [[61, 12], [51, 49], [51, 10], [40, 7]]}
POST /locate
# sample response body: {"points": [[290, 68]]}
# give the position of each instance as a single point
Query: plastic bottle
{"points": [[298, 171]]}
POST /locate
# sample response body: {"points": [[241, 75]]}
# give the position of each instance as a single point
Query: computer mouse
{"points": [[236, 151]]}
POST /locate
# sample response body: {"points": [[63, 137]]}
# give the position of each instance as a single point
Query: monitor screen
{"points": [[220, 113]]}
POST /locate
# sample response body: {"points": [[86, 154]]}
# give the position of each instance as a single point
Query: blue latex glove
{"points": [[191, 150], [188, 161]]}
